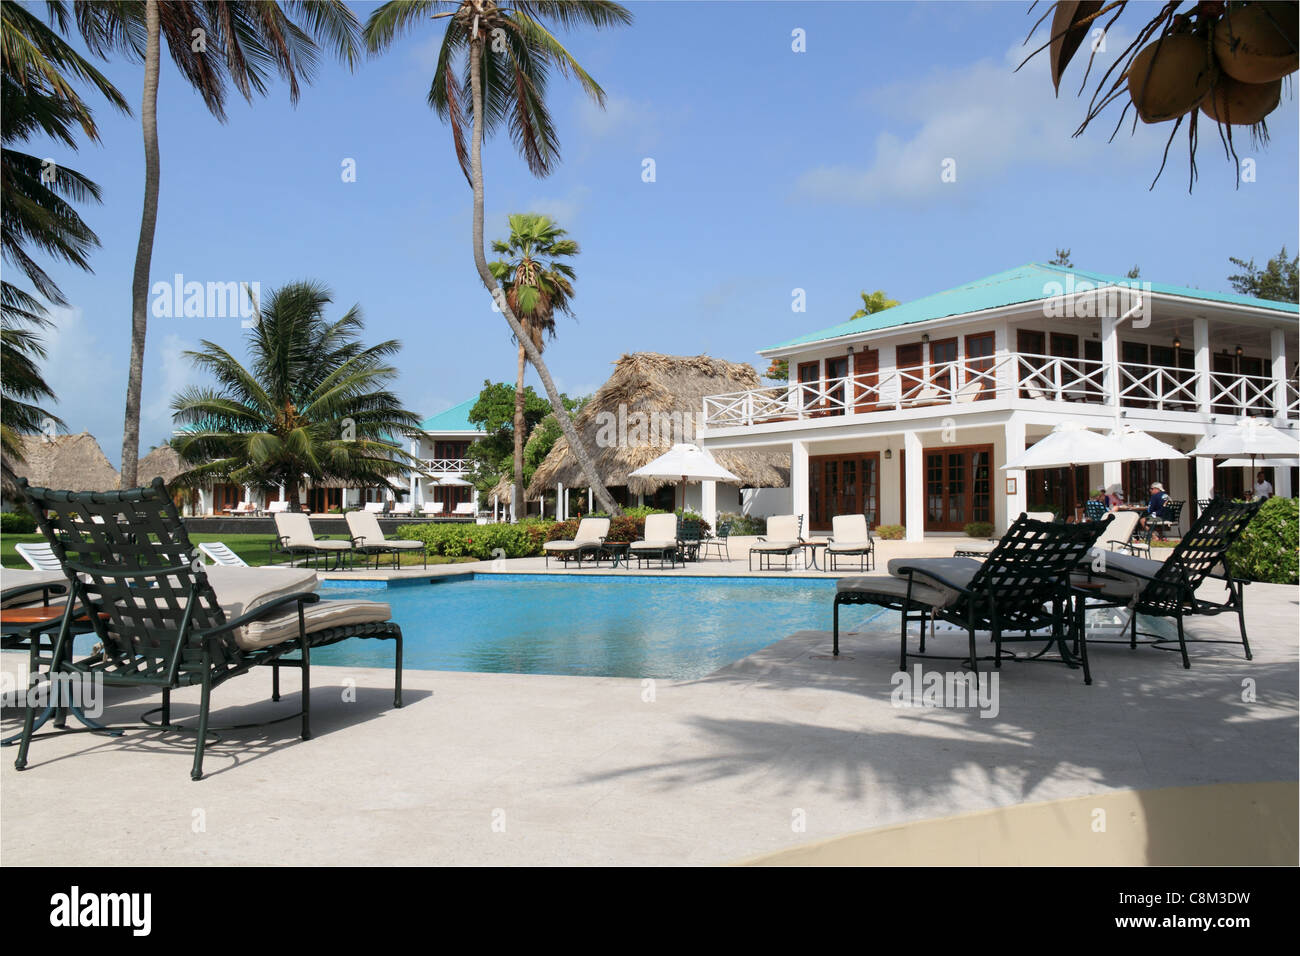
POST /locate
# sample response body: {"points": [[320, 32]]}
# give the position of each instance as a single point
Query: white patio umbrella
{"points": [[451, 480], [1260, 463], [689, 463], [1248, 437]]}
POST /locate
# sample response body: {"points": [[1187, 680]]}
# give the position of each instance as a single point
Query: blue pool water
{"points": [[615, 626]]}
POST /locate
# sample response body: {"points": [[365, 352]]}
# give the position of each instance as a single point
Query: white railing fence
{"points": [[452, 465]]}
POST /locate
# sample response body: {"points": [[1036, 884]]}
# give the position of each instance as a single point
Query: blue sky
{"points": [[775, 171]]}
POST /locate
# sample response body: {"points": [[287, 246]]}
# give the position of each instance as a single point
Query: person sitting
{"points": [[1263, 489], [1156, 505], [1114, 497]]}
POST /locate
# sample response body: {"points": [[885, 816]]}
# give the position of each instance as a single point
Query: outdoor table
{"points": [[616, 551], [810, 548]]}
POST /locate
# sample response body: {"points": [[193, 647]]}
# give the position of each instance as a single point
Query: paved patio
{"points": [[778, 750]]}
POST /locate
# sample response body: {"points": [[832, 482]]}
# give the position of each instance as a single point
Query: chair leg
{"points": [[902, 649], [974, 662], [275, 680], [1133, 630], [397, 672], [306, 689], [1182, 641], [1241, 622], [29, 723], [201, 742], [167, 707]]}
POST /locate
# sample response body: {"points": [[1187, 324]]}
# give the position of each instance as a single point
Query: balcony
{"points": [[446, 466], [1037, 378]]}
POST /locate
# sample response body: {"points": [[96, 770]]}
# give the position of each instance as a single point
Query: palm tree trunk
{"points": [[143, 251], [517, 494], [571, 436]]}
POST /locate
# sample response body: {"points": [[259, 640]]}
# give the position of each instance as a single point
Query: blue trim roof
{"points": [[1027, 283], [454, 419]]}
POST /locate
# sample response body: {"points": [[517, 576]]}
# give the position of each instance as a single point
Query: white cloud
{"points": [[636, 124], [563, 210], [172, 373], [985, 119]]}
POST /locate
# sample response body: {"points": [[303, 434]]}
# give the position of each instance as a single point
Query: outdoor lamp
{"points": [[888, 454], [1178, 343], [1238, 351]]}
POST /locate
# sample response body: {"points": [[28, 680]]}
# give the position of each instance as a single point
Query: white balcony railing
{"points": [[1016, 375], [443, 466]]}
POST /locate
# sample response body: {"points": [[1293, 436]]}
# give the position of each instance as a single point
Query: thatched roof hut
{"points": [[163, 462], [650, 402], [65, 462]]}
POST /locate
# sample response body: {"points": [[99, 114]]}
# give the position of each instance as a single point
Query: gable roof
{"points": [[454, 419], [1027, 283]]}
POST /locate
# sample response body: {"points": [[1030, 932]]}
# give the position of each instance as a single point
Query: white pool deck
{"points": [[785, 747]]}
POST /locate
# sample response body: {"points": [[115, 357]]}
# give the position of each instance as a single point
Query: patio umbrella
{"points": [[1248, 437], [690, 463], [1260, 463]]}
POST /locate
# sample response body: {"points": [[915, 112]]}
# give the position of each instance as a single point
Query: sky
{"points": [[775, 170]]}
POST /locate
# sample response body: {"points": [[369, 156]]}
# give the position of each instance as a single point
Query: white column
{"points": [[1205, 478], [1014, 439], [1110, 362], [799, 481], [913, 478], [1112, 473], [1282, 482], [561, 506], [709, 502], [590, 502], [1278, 342], [1201, 361], [248, 492]]}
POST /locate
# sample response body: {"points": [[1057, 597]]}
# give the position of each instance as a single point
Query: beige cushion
{"points": [[957, 570], [316, 617], [568, 545], [852, 547], [651, 545], [775, 546], [893, 591], [240, 590], [846, 528], [783, 528], [660, 528], [21, 578]]}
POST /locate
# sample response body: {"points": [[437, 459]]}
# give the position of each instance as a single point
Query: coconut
{"points": [[1241, 104], [1171, 76], [1257, 43]]}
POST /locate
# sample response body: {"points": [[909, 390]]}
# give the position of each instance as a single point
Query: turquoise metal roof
{"points": [[454, 419], [1015, 286]]}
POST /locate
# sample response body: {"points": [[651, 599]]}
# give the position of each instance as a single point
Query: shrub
{"points": [[979, 529], [742, 525], [1266, 550], [480, 541], [17, 522], [890, 532]]}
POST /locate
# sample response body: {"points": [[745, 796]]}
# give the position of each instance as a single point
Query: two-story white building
{"points": [[443, 449], [907, 415]]}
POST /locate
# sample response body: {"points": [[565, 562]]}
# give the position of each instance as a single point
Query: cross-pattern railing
{"points": [[452, 465], [1050, 378]]}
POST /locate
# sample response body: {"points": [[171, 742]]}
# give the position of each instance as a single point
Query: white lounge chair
{"points": [[400, 508], [376, 507], [294, 536], [222, 555], [39, 555], [851, 537], [277, 507], [368, 538], [660, 541], [587, 540], [782, 538], [431, 508], [465, 509]]}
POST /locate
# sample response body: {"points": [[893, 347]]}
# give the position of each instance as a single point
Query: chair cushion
{"points": [[892, 591], [240, 590], [567, 545], [775, 546], [20, 578], [849, 547], [316, 617], [957, 570], [651, 545]]}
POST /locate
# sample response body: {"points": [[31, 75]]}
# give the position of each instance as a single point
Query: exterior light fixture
{"points": [[925, 337], [850, 349], [888, 454], [1238, 351], [1178, 343]]}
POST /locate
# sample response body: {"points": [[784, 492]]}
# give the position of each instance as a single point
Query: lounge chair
{"points": [[660, 541], [277, 507], [431, 509], [1120, 533], [782, 540], [1168, 588], [1094, 510], [368, 538], [402, 508], [1022, 588], [850, 538], [465, 510], [221, 554], [39, 555], [165, 623], [587, 541], [376, 507], [1168, 520], [294, 537]]}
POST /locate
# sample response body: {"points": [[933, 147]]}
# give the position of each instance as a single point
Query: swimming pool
{"points": [[598, 625]]}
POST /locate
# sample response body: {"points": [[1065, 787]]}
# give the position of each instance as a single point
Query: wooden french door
{"points": [[911, 360], [958, 486], [1029, 344], [837, 372], [225, 496], [979, 364], [843, 485], [866, 373], [809, 374]]}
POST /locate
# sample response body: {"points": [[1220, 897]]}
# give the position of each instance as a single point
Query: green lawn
{"points": [[253, 548]]}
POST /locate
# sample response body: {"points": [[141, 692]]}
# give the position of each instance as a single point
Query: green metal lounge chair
{"points": [[587, 542], [718, 541], [1169, 588], [1016, 594], [660, 542], [368, 538], [783, 539], [851, 538], [161, 622]]}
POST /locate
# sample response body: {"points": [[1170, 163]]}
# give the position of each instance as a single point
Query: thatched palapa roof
{"points": [[163, 462], [65, 462], [650, 402]]}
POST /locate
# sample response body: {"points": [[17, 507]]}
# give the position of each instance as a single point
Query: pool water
{"points": [[609, 626]]}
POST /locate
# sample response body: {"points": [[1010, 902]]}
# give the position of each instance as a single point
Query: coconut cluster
{"points": [[1228, 59]]}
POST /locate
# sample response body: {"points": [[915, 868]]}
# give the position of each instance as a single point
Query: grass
{"points": [[255, 549]]}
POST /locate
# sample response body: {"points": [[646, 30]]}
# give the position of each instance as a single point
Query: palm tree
{"points": [[508, 53], [38, 98], [878, 301], [313, 402], [536, 290], [248, 38]]}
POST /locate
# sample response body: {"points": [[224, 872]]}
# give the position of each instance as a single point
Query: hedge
{"points": [[1267, 549], [481, 541], [17, 522]]}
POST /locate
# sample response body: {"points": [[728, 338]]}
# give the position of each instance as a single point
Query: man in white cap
{"points": [[1157, 503]]}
